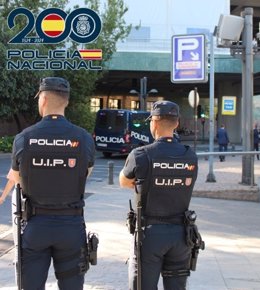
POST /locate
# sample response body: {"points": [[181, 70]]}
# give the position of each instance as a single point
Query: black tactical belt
{"points": [[176, 220], [66, 211]]}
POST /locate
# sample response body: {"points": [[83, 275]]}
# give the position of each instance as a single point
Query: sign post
{"points": [[193, 99], [189, 59]]}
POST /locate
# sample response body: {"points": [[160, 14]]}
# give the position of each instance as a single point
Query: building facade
{"points": [[147, 52]]}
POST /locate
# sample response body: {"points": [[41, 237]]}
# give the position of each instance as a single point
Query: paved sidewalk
{"points": [[229, 228], [228, 177]]}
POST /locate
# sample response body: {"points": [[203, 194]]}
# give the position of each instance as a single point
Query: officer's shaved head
{"points": [[163, 126], [52, 102], [167, 121]]}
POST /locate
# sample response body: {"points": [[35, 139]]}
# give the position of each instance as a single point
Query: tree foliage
{"points": [[17, 88], [82, 81]]}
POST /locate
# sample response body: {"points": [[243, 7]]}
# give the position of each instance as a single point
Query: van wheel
{"points": [[107, 154]]}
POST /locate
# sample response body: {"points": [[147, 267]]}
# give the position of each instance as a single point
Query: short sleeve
{"points": [[90, 149], [130, 166], [18, 146]]}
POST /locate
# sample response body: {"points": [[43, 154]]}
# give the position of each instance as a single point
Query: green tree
{"points": [[17, 88], [114, 28]]}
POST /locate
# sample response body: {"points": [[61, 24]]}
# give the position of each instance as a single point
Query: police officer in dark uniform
{"points": [[164, 173], [51, 161]]}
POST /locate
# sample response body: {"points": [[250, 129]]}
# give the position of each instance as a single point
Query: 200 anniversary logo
{"points": [[53, 26]]}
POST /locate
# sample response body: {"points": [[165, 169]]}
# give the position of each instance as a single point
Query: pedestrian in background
{"points": [[51, 161], [223, 140], [164, 174], [256, 140]]}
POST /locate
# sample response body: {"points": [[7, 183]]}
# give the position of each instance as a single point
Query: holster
{"points": [[92, 247], [193, 238], [26, 208], [131, 221]]}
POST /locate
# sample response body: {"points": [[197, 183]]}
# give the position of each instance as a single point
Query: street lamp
{"points": [[143, 93]]}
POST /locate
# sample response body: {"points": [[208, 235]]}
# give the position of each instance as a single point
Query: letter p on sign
{"points": [[186, 44]]}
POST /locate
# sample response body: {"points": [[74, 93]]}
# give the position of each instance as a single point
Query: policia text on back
{"points": [[166, 240], [51, 160]]}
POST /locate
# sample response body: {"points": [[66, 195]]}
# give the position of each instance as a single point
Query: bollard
{"points": [[206, 157], [233, 148], [110, 172]]}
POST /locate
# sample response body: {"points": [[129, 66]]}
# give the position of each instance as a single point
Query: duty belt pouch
{"points": [[27, 210], [131, 219], [92, 247]]}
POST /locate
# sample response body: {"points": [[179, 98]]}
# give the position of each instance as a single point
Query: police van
{"points": [[119, 131]]}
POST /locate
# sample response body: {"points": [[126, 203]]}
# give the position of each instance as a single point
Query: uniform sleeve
{"points": [[130, 166], [90, 149], [18, 146]]}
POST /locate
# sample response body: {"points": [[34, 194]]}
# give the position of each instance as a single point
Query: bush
{"points": [[6, 144]]}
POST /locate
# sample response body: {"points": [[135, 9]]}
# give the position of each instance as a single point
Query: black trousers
{"points": [[222, 147], [163, 247], [57, 238]]}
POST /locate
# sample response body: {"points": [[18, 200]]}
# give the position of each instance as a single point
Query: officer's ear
{"points": [[66, 103], [44, 99]]}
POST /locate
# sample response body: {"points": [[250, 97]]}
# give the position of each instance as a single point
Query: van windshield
{"points": [[114, 121], [139, 124]]}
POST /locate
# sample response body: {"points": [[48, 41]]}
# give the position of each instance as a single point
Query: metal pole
{"points": [[195, 118], [247, 39], [145, 92], [211, 176], [203, 131], [141, 98], [243, 103]]}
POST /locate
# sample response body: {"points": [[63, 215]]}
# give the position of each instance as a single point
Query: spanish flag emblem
{"points": [[91, 54], [53, 25]]}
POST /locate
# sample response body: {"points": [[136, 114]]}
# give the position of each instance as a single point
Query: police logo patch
{"points": [[188, 181], [83, 25], [72, 162]]}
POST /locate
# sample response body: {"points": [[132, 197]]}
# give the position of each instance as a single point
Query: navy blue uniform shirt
{"points": [[54, 124], [165, 146]]}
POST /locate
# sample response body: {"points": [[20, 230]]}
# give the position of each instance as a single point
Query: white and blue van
{"points": [[119, 131]]}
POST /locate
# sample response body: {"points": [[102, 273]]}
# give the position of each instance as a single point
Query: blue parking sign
{"points": [[189, 60]]}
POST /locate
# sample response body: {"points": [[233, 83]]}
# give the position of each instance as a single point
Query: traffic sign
{"points": [[191, 98], [189, 59], [229, 105]]}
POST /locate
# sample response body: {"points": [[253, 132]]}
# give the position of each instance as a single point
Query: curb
{"points": [[252, 194], [5, 155]]}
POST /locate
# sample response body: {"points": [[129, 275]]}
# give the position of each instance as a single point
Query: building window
{"points": [[114, 104], [96, 104], [149, 106], [135, 105]]}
